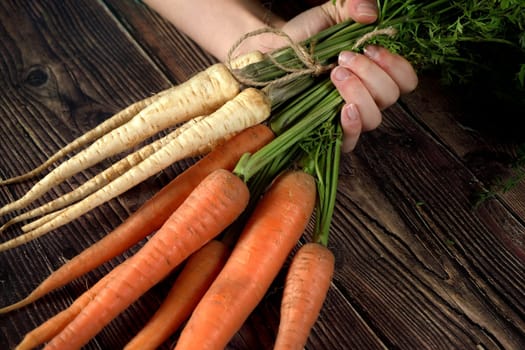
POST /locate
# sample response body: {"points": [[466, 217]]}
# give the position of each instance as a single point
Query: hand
{"points": [[368, 82], [321, 17]]}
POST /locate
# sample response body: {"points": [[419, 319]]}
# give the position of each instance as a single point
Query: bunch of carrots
{"points": [[230, 271], [233, 218]]}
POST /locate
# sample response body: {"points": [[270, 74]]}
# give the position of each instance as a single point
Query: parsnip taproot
{"points": [[245, 60], [248, 108], [200, 95], [101, 179], [115, 121], [40, 221]]}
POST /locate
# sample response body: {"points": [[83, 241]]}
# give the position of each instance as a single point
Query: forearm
{"points": [[215, 24]]}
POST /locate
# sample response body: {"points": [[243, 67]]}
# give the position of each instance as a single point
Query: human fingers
{"points": [[385, 75], [362, 11], [352, 126], [327, 14], [354, 91], [396, 66], [377, 81]]}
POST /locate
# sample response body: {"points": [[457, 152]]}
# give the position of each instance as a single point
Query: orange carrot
{"points": [[47, 330], [152, 214], [305, 289], [271, 232], [199, 272], [214, 204]]}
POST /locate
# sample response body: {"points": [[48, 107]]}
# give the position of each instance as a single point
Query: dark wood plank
{"points": [[176, 54], [426, 269], [483, 136], [66, 66]]}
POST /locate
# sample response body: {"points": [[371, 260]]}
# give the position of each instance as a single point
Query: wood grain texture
{"points": [[417, 265], [65, 68], [420, 256]]}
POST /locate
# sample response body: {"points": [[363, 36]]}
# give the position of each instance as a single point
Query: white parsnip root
{"points": [[42, 220], [248, 108], [100, 180], [200, 95], [186, 107], [246, 59], [115, 121]]}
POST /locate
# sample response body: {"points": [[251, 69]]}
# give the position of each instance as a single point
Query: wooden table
{"points": [[418, 265]]}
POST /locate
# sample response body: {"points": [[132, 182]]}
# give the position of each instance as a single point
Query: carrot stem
{"points": [[327, 163], [323, 111]]}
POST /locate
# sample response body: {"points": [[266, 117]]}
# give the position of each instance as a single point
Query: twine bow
{"points": [[310, 65]]}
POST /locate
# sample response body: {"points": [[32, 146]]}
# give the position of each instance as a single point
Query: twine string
{"points": [[310, 65], [307, 60], [388, 31]]}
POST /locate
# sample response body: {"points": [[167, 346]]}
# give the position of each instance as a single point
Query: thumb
{"points": [[314, 20]]}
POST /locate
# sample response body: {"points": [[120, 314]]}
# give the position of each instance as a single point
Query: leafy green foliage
{"points": [[505, 184], [445, 34]]}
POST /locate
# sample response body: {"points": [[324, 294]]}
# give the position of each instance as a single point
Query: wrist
{"points": [[217, 25]]}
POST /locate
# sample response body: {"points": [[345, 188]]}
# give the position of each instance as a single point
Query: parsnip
{"points": [[248, 108], [115, 121], [200, 95], [100, 180]]}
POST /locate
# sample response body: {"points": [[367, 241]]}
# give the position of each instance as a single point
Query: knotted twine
{"points": [[311, 66]]}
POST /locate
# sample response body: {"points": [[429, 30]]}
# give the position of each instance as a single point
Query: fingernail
{"points": [[346, 57], [367, 9], [341, 73], [350, 112], [371, 51]]}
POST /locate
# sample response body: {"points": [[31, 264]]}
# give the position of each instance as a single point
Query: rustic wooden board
{"points": [[487, 141], [66, 66], [412, 220], [418, 267]]}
